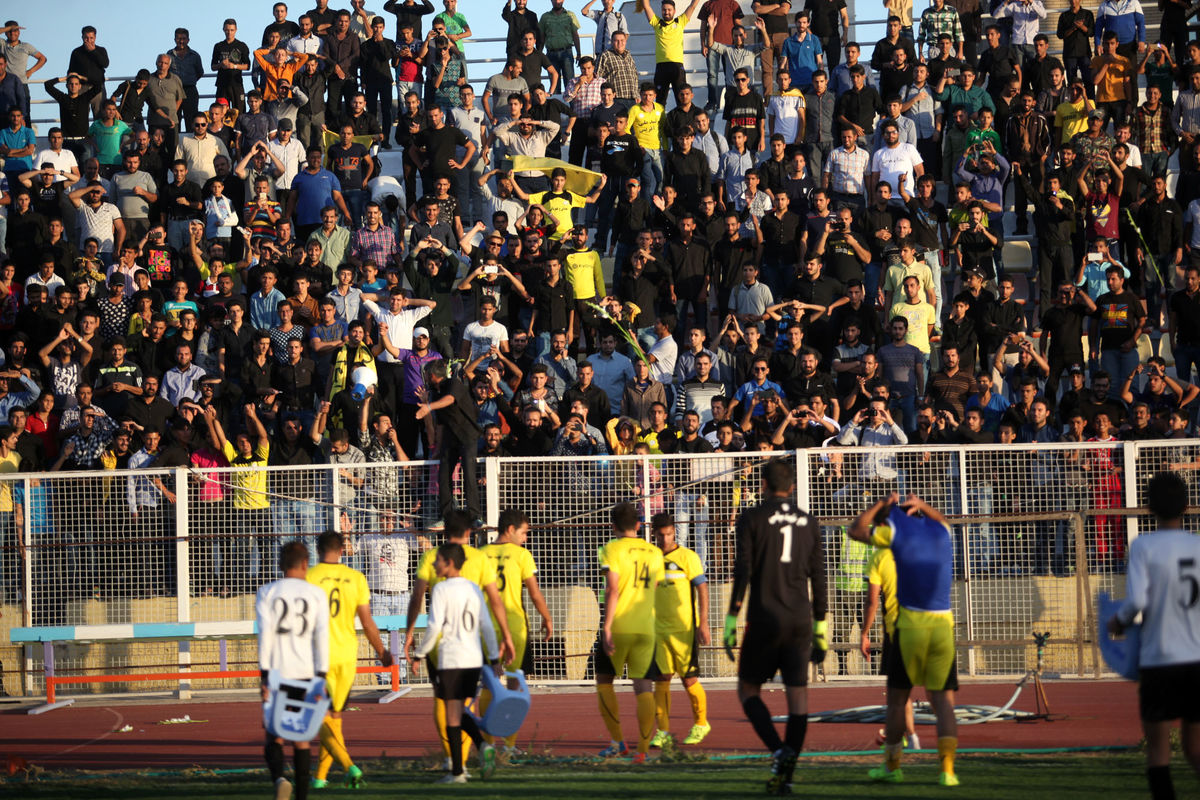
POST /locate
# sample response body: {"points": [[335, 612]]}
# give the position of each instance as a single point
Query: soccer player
{"points": [[349, 598], [680, 629], [921, 544], [456, 621], [515, 569], [1163, 584], [881, 584], [633, 568], [779, 555], [293, 643], [477, 568]]}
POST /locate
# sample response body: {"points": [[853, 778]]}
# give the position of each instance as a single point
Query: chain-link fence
{"points": [[113, 548]]}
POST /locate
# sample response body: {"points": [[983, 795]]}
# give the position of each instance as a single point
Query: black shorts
{"points": [[1170, 692], [789, 654], [887, 654], [455, 684]]}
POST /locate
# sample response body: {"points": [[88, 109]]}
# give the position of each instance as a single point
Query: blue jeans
{"points": [[871, 273], [356, 202], [691, 522], [296, 518], [1119, 366], [715, 78], [652, 172], [982, 544], [1155, 163], [564, 62]]}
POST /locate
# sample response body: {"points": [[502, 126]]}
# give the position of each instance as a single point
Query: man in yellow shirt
{"points": [[251, 508], [633, 569], [645, 123], [559, 202], [1071, 115], [349, 599], [668, 45], [585, 274], [477, 568], [921, 315], [1116, 82], [515, 570], [681, 629], [881, 584]]}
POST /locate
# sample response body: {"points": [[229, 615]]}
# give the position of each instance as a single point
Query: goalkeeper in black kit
{"points": [[779, 555]]}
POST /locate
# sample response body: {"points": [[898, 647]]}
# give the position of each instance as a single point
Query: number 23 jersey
{"points": [[293, 628], [639, 567]]}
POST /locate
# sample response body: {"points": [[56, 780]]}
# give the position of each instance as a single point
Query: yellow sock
{"points": [[662, 705], [331, 742], [645, 718], [891, 755], [606, 695], [511, 741], [324, 764], [439, 720], [947, 746], [485, 700], [699, 703]]}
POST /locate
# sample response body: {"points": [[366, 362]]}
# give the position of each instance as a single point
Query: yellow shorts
{"points": [[632, 650], [338, 681], [520, 638], [675, 654], [925, 654]]}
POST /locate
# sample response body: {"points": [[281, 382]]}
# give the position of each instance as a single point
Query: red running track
{"points": [[1087, 713]]}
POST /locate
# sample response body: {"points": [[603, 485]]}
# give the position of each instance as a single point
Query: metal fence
{"points": [[1033, 543]]}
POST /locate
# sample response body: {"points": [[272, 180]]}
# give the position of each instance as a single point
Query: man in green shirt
{"points": [[561, 31]]}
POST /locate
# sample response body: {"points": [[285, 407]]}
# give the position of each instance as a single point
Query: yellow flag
{"points": [[330, 138], [579, 180]]}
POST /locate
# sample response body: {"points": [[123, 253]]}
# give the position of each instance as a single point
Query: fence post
{"points": [[1083, 591], [803, 493], [491, 501], [1129, 454], [965, 534], [183, 574], [335, 499], [646, 495], [25, 577]]}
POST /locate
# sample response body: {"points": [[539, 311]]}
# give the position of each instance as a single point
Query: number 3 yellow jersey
{"points": [[638, 565], [346, 589], [674, 606], [513, 565], [477, 568]]}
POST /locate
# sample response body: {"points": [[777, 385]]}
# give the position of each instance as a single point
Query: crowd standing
{"points": [[812, 257]]}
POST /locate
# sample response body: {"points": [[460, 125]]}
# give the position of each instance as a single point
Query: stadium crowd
{"points": [[810, 258]]}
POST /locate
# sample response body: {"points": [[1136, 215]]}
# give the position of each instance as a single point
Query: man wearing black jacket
{"points": [[1054, 220]]}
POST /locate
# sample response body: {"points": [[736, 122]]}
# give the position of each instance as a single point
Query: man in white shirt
{"points": [[64, 161], [1163, 585], [396, 323], [199, 150], [293, 644], [895, 159], [484, 335], [663, 352]]}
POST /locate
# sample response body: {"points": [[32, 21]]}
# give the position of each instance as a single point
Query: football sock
{"points": [[324, 763], [471, 729], [606, 695], [1161, 787], [302, 761], [797, 727], [699, 702], [947, 746], [439, 717], [511, 741], [485, 700], [273, 752], [662, 705], [645, 719], [760, 719], [892, 753], [454, 742], [331, 740]]}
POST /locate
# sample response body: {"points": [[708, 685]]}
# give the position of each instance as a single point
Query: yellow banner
{"points": [[579, 180], [330, 138]]}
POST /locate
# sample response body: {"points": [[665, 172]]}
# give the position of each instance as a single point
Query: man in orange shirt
{"points": [[1116, 87], [280, 66]]}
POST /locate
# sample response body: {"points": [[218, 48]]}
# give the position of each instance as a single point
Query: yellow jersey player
{"points": [[477, 568], [515, 570], [349, 599], [680, 629], [881, 584], [921, 544], [633, 569]]}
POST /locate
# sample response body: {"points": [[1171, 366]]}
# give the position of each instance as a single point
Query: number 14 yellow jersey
{"points": [[638, 565]]}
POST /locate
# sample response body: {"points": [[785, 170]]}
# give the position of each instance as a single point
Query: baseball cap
{"points": [[1075, 369], [418, 332], [1096, 113], [974, 271], [285, 124]]}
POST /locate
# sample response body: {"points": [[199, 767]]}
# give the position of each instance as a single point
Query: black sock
{"points": [[454, 735], [797, 727], [1161, 787], [302, 760], [760, 720], [273, 752], [472, 729]]}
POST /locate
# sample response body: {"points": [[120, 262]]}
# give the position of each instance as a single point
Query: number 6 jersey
{"points": [[293, 628]]}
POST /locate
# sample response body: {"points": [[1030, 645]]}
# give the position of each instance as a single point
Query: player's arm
{"points": [[320, 639], [612, 591], [916, 504], [372, 632], [539, 602], [433, 623], [487, 630], [496, 603], [414, 608], [266, 640], [861, 529], [703, 635], [870, 606], [1137, 593]]}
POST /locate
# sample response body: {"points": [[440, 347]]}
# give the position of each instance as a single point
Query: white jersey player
{"points": [[1163, 585], [293, 644]]}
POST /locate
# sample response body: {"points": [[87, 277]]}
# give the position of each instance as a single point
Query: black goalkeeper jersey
{"points": [[779, 553]]}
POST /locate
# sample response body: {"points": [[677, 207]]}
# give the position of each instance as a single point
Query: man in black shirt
{"points": [[779, 553], [999, 63], [1062, 325], [89, 61], [458, 433], [1184, 319], [435, 147]]}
